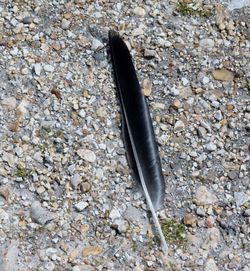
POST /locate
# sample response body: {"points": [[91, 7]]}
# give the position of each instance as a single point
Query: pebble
{"points": [[87, 155], [205, 80], [9, 158], [27, 20], [210, 222], [212, 239], [176, 104], [9, 103], [139, 11], [207, 43], [9, 259], [122, 225], [211, 147], [204, 197], [96, 44], [76, 180], [241, 198], [91, 251], [179, 126], [149, 54], [40, 190], [210, 265], [218, 115], [85, 187], [147, 87], [37, 69], [40, 215], [114, 214], [80, 206], [190, 219], [48, 68], [223, 75], [19, 151], [137, 32], [5, 192], [65, 24], [184, 81]]}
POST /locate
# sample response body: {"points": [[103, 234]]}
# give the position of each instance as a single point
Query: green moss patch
{"points": [[173, 231], [186, 10]]}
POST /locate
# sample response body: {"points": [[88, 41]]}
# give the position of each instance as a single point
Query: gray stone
{"points": [[179, 126], [210, 265], [9, 103], [87, 155], [212, 239], [40, 215], [114, 214], [80, 206], [211, 147], [27, 20], [76, 180], [241, 198], [38, 69], [9, 158], [48, 68], [204, 197], [65, 24], [207, 43]]}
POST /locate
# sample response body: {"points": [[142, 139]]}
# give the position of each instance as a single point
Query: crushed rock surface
{"points": [[67, 199]]}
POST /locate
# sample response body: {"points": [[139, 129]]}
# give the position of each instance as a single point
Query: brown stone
{"points": [[223, 75], [147, 87], [91, 251], [189, 219]]}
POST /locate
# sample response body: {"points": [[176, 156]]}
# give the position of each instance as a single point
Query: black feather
{"points": [[138, 133]]}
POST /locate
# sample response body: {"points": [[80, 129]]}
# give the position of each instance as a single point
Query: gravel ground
{"points": [[67, 200]]}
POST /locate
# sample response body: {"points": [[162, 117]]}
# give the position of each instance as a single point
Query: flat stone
{"points": [[147, 87], [211, 147], [80, 206], [91, 251], [137, 32], [9, 103], [212, 239], [122, 225], [65, 24], [114, 214], [241, 198], [37, 69], [48, 68], [8, 260], [9, 158], [149, 54], [210, 265], [5, 191], [189, 219], [204, 197], [179, 126], [40, 215], [19, 151], [76, 180], [223, 75], [87, 155], [184, 81], [85, 187], [96, 44], [139, 11], [207, 43], [27, 20]]}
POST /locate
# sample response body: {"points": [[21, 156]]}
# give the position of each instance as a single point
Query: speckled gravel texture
{"points": [[67, 200]]}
